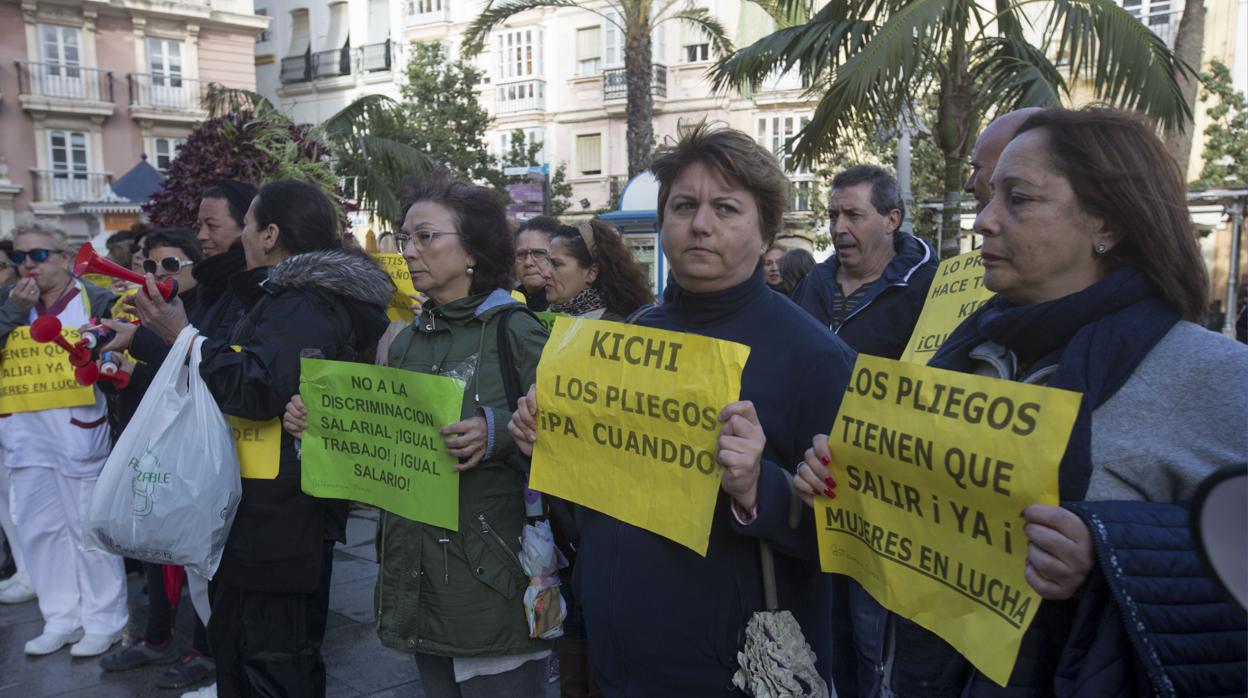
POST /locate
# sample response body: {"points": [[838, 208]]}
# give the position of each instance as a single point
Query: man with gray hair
{"points": [[871, 291]]}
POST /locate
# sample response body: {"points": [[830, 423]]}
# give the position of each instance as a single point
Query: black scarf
{"points": [[1097, 337], [213, 273]]}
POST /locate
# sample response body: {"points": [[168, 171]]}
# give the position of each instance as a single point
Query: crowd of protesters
{"points": [[1098, 282]]}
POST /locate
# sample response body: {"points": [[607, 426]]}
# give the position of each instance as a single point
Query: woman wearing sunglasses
{"points": [[53, 459]]}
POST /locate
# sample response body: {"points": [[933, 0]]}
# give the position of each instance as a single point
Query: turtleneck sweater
{"points": [[664, 621]]}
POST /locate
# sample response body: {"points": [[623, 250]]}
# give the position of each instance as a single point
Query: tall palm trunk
{"points": [[957, 123], [1189, 43], [639, 76]]}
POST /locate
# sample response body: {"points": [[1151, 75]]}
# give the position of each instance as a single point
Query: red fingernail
{"points": [[825, 460], [830, 493], [830, 482]]}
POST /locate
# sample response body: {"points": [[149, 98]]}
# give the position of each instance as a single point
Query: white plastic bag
{"points": [[170, 488], [544, 606]]}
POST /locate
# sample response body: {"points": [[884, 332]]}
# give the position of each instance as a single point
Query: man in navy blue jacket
{"points": [[871, 291]]}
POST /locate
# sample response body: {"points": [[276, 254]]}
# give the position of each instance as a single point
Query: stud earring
{"points": [[1100, 248], [469, 271]]}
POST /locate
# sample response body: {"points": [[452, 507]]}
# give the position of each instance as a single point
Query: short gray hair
{"points": [[34, 226], [885, 190]]}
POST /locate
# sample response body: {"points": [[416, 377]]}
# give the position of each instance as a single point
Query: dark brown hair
{"points": [[621, 282], [1121, 173], [736, 157], [480, 221]]}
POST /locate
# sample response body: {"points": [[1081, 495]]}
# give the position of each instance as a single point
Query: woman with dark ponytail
{"points": [[591, 274]]}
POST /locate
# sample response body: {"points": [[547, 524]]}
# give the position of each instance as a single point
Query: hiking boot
{"points": [[190, 670], [140, 654]]}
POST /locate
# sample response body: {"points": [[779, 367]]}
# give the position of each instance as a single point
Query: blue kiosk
{"points": [[637, 220]]}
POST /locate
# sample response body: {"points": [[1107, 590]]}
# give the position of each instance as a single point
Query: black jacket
{"points": [[884, 320], [332, 301]]}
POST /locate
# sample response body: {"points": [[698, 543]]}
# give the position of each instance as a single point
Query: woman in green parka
{"points": [[455, 599]]}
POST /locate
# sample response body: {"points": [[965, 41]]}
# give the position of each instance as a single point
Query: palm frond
{"points": [[712, 28], [220, 100], [1128, 65], [1011, 73], [495, 13]]}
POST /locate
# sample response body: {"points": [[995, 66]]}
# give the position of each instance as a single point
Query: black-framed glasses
{"points": [[38, 255], [421, 238], [173, 265]]}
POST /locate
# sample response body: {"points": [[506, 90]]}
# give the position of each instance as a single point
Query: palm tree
{"points": [[372, 152], [635, 19], [871, 58]]}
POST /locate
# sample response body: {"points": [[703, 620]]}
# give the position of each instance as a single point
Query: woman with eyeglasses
{"points": [[454, 599], [532, 239], [53, 458]]}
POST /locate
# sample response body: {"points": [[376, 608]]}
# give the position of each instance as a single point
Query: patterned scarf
{"points": [[587, 301]]}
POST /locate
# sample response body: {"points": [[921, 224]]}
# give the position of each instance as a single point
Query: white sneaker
{"points": [[94, 644], [47, 643], [209, 691], [17, 589]]}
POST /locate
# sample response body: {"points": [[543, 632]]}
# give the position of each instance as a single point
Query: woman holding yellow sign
{"points": [[1089, 246], [668, 620]]}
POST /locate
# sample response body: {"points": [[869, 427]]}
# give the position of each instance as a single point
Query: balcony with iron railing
{"points": [[64, 88], [376, 57], [525, 95], [333, 63], [166, 92], [296, 69], [67, 186], [615, 83]]}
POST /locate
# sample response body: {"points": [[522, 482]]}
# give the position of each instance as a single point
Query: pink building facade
{"points": [[89, 87]]}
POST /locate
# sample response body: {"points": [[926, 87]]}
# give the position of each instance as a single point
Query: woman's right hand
{"points": [[813, 477], [125, 334], [296, 418], [523, 424]]}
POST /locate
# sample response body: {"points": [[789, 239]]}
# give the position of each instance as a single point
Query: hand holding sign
{"points": [[523, 424], [1059, 554], [741, 443], [813, 477], [466, 439], [296, 418]]}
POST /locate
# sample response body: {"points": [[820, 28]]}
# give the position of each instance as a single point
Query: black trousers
{"points": [[267, 644], [160, 614]]}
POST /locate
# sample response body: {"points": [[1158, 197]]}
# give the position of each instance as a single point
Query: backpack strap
{"points": [[507, 361]]}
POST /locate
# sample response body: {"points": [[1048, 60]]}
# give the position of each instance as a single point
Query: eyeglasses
{"points": [[421, 238], [537, 255], [173, 265], [39, 256]]}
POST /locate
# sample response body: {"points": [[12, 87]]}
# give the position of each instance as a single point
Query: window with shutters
{"points": [[519, 54], [589, 154], [164, 62], [588, 51], [612, 42], [775, 132]]}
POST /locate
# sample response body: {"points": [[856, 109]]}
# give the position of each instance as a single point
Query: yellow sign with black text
{"points": [[36, 376], [957, 291], [400, 307], [934, 468], [628, 423], [259, 447]]}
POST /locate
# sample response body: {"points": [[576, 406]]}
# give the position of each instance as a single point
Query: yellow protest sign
{"points": [[259, 446], [36, 376], [957, 291], [400, 307], [934, 468], [628, 423], [121, 311]]}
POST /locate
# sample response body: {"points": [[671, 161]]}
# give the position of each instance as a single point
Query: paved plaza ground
{"points": [[356, 662]]}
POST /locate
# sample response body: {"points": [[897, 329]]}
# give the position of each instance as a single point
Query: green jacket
{"points": [[461, 593]]}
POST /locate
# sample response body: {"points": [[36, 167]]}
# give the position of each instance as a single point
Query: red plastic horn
{"points": [[88, 262], [48, 329], [110, 373], [90, 374]]}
